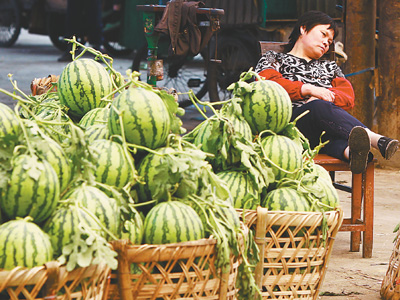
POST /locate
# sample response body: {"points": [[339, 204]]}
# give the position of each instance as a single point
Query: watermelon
{"points": [[242, 189], [155, 186], [33, 189], [172, 222], [96, 201], [97, 132], [133, 229], [320, 171], [285, 198], [23, 244], [9, 125], [95, 116], [283, 155], [145, 118], [82, 85], [55, 155], [267, 107], [326, 194], [63, 225], [112, 165]]}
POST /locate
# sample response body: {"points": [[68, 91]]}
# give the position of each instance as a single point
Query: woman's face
{"points": [[316, 42]]}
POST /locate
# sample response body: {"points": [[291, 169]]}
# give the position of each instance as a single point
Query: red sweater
{"points": [[340, 86]]}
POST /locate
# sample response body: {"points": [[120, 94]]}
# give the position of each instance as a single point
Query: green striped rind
{"points": [[82, 85], [9, 125], [132, 229], [321, 172], [330, 196], [172, 222], [23, 244], [97, 202], [283, 152], [267, 107], [242, 127], [112, 166], [32, 190], [96, 116], [60, 162], [145, 118], [241, 188], [63, 224], [97, 132], [52, 110], [285, 198]]}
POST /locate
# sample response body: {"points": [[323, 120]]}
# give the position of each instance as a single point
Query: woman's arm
{"points": [[344, 93], [341, 93]]}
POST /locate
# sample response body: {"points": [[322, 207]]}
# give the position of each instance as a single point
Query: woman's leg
{"points": [[337, 124], [326, 117]]}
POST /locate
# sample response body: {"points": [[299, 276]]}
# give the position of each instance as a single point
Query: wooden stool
{"points": [[362, 188]]}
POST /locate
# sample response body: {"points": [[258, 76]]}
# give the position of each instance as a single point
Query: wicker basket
{"points": [[172, 271], [53, 281], [293, 254], [390, 288]]}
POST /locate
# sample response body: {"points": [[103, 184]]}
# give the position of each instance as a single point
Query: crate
{"points": [[293, 253], [53, 281], [172, 271], [390, 288]]}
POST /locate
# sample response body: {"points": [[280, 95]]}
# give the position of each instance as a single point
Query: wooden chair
{"points": [[361, 218]]}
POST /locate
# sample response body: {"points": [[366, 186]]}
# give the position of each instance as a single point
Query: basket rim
{"points": [[14, 276]]}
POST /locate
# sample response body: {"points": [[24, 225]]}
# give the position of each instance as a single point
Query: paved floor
{"points": [[349, 275]]}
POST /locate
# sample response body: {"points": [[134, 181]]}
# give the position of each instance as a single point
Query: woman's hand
{"points": [[315, 92]]}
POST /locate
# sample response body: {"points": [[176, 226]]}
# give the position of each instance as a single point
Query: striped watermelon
{"points": [[96, 201], [9, 125], [112, 165], [133, 229], [82, 85], [95, 116], [63, 225], [285, 198], [185, 182], [52, 110], [23, 244], [320, 171], [55, 155], [326, 193], [172, 222], [267, 107], [283, 153], [33, 189], [145, 118], [242, 189], [97, 132]]}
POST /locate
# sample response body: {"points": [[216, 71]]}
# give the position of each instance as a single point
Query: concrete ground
{"points": [[349, 276]]}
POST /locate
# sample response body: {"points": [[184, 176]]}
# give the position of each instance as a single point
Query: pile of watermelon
{"points": [[105, 157]]}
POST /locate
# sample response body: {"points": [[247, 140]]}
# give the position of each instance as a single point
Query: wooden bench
{"points": [[361, 218]]}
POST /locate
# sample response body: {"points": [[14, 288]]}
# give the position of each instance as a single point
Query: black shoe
{"points": [[388, 147], [360, 145]]}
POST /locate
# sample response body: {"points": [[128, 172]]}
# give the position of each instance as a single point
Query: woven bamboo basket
{"points": [[293, 253], [53, 281], [171, 271], [390, 288]]}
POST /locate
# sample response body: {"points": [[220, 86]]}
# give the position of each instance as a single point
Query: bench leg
{"points": [[356, 202], [368, 234]]}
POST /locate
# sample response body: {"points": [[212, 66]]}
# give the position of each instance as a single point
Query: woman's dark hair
{"points": [[309, 20]]}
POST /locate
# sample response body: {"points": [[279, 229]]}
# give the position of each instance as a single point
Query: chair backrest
{"points": [[278, 47]]}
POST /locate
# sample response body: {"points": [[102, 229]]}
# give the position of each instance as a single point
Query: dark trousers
{"points": [[325, 116], [84, 20]]}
